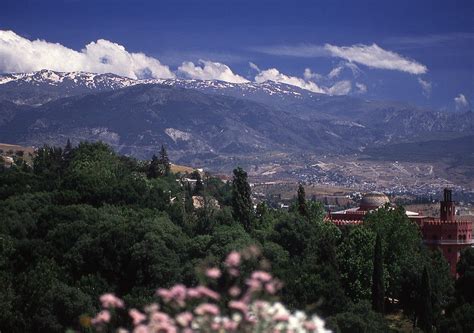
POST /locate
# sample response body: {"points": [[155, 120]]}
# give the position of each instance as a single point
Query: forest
{"points": [[79, 222]]}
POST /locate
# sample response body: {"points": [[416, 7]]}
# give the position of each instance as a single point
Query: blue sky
{"points": [[416, 51]]}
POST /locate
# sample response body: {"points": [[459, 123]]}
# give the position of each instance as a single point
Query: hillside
{"points": [[204, 121]]}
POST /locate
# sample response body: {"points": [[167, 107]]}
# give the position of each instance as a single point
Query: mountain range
{"points": [[205, 120]]}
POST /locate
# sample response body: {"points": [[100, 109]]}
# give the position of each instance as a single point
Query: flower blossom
{"points": [[213, 273], [233, 259], [136, 316], [111, 301], [102, 317], [207, 308]]}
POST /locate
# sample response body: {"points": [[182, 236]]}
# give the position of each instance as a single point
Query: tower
{"points": [[447, 208]]}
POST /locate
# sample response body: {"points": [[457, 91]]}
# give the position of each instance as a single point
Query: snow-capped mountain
{"points": [[194, 116], [90, 81], [46, 85]]}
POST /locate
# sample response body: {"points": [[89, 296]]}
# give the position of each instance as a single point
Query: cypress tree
{"points": [[199, 187], [241, 198], [302, 208], [425, 307], [165, 161], [188, 199], [378, 290]]}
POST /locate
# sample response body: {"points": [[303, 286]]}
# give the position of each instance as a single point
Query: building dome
{"points": [[373, 200]]}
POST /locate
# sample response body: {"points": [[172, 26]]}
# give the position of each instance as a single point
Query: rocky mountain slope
{"points": [[207, 118]]}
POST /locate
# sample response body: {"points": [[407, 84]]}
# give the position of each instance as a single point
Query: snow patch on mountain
{"points": [[176, 134]]}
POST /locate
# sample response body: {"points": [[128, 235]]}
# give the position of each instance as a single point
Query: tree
{"points": [[378, 289], [199, 187], [164, 161], [425, 306], [302, 208], [465, 282], [241, 198], [401, 239], [153, 170], [355, 259]]}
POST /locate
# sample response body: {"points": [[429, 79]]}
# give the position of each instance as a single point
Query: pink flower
{"points": [[111, 301], [230, 325], [270, 288], [204, 291], [234, 291], [177, 293], [193, 293], [102, 317], [262, 276], [136, 316], [254, 284], [309, 325], [281, 317], [207, 308], [164, 293], [213, 273], [184, 318], [233, 259], [153, 307], [238, 305], [160, 317], [140, 329]]}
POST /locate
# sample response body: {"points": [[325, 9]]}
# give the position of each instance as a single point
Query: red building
{"points": [[449, 234]]}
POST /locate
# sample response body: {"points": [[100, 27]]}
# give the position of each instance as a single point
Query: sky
{"points": [[421, 52]]}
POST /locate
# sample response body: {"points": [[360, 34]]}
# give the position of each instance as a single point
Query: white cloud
{"points": [[340, 88], [19, 54], [461, 102], [273, 74], [254, 67], [361, 88], [426, 87], [335, 72], [369, 55], [210, 71], [376, 57], [308, 74]]}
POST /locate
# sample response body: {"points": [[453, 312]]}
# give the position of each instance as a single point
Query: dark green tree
{"points": [[154, 170], [302, 207], [401, 258], [465, 282], [378, 289], [355, 258], [164, 161], [425, 306], [199, 187], [241, 198]]}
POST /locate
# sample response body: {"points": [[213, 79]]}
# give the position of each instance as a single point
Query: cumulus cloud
{"points": [[208, 70], [426, 87], [461, 102], [340, 88], [368, 55], [361, 88], [308, 74], [274, 74], [19, 54], [376, 57]]}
